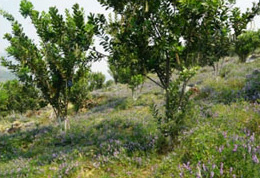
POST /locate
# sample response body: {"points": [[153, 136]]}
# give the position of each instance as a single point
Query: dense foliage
{"points": [[52, 65], [246, 44], [16, 97], [86, 82], [163, 37]]}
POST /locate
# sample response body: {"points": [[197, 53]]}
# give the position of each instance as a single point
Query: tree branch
{"points": [[102, 54], [155, 82]]}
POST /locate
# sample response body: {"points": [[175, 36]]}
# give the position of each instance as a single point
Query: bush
{"points": [[85, 82], [109, 83], [246, 44], [96, 80], [80, 92], [173, 121], [15, 96]]}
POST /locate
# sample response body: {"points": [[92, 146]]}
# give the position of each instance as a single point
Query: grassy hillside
{"points": [[118, 137]]}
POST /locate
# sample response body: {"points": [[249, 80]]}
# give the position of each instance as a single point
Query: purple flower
{"points": [[213, 166], [139, 160], [187, 166], [249, 149], [211, 174], [198, 164], [221, 148], [234, 176], [248, 133], [221, 168], [198, 175], [255, 159], [96, 164], [230, 170], [129, 173], [181, 174], [235, 148], [204, 167], [252, 138], [225, 134]]}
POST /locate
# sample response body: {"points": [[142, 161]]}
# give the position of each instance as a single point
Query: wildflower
{"points": [[235, 148], [96, 164], [181, 174], [248, 133], [204, 167], [249, 149], [234, 176], [252, 138], [221, 168], [225, 134], [139, 160], [199, 172], [221, 148], [255, 159], [230, 170], [213, 166], [211, 174], [116, 153]]}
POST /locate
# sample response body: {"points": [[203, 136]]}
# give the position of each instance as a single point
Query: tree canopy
{"points": [[246, 44], [52, 63], [166, 37], [159, 36]]}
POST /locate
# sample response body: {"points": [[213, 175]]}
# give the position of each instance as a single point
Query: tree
{"points": [[18, 97], [86, 82], [3, 100], [96, 80], [163, 36], [129, 77], [114, 73], [246, 44], [80, 91], [62, 51]]}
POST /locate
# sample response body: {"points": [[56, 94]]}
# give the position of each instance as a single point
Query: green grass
{"points": [[119, 136]]}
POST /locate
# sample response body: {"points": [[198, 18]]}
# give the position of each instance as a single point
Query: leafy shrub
{"points": [[80, 92], [172, 122], [85, 82], [20, 98], [96, 80], [246, 44], [109, 83]]}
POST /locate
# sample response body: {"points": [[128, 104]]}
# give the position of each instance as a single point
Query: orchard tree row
{"points": [[18, 97], [141, 37]]}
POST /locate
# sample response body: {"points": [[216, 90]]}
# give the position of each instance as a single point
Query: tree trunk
{"points": [[167, 84], [134, 97]]}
